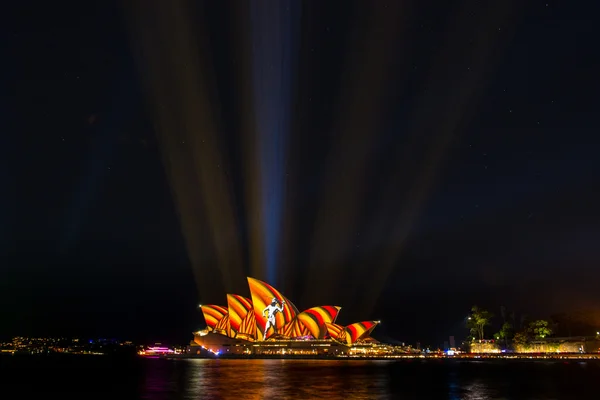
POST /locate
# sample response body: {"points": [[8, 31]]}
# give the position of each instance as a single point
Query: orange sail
{"points": [[213, 314], [262, 294]]}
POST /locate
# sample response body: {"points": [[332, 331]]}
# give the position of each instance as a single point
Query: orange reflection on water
{"points": [[270, 379]]}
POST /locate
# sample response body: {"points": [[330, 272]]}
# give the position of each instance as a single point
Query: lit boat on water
{"points": [[156, 351]]}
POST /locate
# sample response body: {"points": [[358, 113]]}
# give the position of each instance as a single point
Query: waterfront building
{"points": [[267, 323]]}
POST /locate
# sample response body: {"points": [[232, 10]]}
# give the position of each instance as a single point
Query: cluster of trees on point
{"points": [[512, 331]]}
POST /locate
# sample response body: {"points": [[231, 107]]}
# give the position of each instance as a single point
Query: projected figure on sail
{"points": [[270, 311]]}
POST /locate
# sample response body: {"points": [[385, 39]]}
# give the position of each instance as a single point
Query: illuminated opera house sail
{"points": [[269, 323]]}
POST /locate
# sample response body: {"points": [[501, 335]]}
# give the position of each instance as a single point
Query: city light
{"points": [[41, 345]]}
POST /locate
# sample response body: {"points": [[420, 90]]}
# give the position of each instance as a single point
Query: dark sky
{"points": [[404, 160]]}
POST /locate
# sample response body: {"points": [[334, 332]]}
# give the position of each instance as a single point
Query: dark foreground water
{"points": [[89, 377]]}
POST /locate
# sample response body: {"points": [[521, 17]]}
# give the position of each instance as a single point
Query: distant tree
{"points": [[477, 321], [506, 333], [520, 338], [563, 324], [578, 323], [540, 329], [523, 321], [513, 319], [499, 335]]}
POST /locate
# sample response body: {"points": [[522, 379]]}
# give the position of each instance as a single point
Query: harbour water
{"points": [[99, 377]]}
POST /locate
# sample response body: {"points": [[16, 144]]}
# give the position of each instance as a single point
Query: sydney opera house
{"points": [[267, 323]]}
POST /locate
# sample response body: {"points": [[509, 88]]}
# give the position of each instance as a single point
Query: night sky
{"points": [[402, 159]]}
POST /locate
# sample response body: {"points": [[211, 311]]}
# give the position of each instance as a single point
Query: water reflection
{"points": [[477, 391], [104, 378], [267, 379], [318, 379], [158, 382]]}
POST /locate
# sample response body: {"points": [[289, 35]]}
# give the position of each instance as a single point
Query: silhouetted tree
{"points": [[513, 319], [478, 320], [523, 321], [579, 323], [563, 324], [506, 333]]}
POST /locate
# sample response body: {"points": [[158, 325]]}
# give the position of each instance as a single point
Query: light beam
{"points": [[274, 25]]}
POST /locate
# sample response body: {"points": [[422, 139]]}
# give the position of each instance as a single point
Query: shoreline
{"points": [[399, 357], [470, 357]]}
